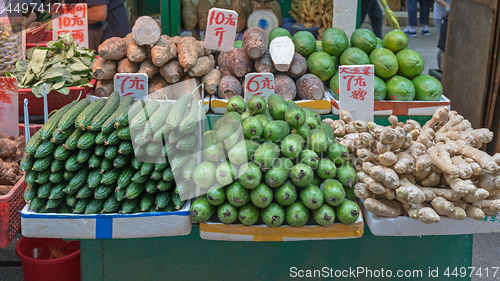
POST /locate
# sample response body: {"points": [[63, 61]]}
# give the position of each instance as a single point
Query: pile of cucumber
{"points": [[274, 162], [109, 156]]}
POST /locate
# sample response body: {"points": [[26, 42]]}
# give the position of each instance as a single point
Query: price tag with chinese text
{"points": [[131, 84], [9, 106], [356, 87], [221, 29], [261, 84], [71, 18]]}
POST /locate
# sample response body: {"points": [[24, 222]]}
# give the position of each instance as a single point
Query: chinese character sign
{"points": [[356, 90], [131, 84], [261, 84], [221, 29], [9, 107], [71, 18]]}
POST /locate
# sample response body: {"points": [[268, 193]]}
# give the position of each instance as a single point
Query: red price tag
{"points": [[9, 107], [131, 84], [261, 84], [221, 29], [356, 91], [71, 18]]}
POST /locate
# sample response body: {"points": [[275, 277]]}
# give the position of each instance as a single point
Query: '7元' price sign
{"points": [[356, 87], [221, 29], [131, 84], [71, 18], [261, 84], [9, 106]]}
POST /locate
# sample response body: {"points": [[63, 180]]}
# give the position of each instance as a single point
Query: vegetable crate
{"points": [[109, 226], [10, 205], [260, 233], [55, 100], [42, 42], [323, 106], [399, 108], [405, 226], [38, 34]]}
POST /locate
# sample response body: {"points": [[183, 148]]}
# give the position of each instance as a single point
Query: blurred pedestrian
{"points": [[372, 8], [441, 10], [412, 17]]}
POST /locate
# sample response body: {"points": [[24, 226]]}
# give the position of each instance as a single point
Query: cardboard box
{"points": [[387, 107], [405, 226], [323, 106], [107, 226]]}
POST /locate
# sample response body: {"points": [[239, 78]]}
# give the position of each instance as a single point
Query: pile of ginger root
{"points": [[423, 172], [11, 153]]}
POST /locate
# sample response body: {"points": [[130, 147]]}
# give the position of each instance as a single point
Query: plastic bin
{"points": [[37, 34], [49, 259], [42, 43], [10, 217], [55, 100]]}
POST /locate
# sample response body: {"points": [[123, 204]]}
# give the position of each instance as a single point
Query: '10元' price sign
{"points": [[221, 29], [261, 84], [71, 18], [356, 87], [131, 84]]}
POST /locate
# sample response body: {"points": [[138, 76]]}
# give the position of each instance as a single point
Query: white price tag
{"points": [[71, 18], [9, 106], [261, 84], [131, 84], [356, 87], [221, 29]]}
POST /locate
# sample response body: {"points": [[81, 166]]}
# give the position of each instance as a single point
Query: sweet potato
{"points": [[104, 69], [203, 66], [285, 86], [229, 86], [265, 64], [237, 6], [310, 87], [298, 66], [238, 62], [172, 71], [114, 48], [136, 53], [104, 88], [189, 16], [202, 11], [221, 4], [163, 51], [149, 68], [221, 59], [224, 72], [157, 83], [188, 51], [126, 66], [212, 79], [146, 31], [255, 41]]}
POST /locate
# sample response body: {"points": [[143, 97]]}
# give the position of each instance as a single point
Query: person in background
{"points": [[372, 8], [441, 10], [412, 17], [106, 18]]}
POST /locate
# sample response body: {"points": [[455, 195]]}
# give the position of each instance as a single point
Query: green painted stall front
{"points": [[191, 258]]}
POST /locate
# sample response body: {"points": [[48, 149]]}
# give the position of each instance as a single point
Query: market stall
{"points": [[246, 159]]}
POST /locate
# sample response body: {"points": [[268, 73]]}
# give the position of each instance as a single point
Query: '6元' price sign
{"points": [[261, 84], [221, 29], [131, 84], [71, 18], [356, 87]]}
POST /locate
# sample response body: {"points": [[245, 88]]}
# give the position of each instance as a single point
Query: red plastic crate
{"points": [[55, 100], [38, 34], [42, 43], [12, 203]]}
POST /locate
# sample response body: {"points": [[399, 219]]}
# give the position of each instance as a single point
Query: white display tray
{"points": [[405, 226], [106, 226]]}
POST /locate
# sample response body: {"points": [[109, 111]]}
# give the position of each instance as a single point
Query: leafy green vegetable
{"points": [[62, 64]]}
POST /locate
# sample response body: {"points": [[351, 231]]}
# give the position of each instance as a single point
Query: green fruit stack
{"points": [[83, 160], [283, 166]]}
